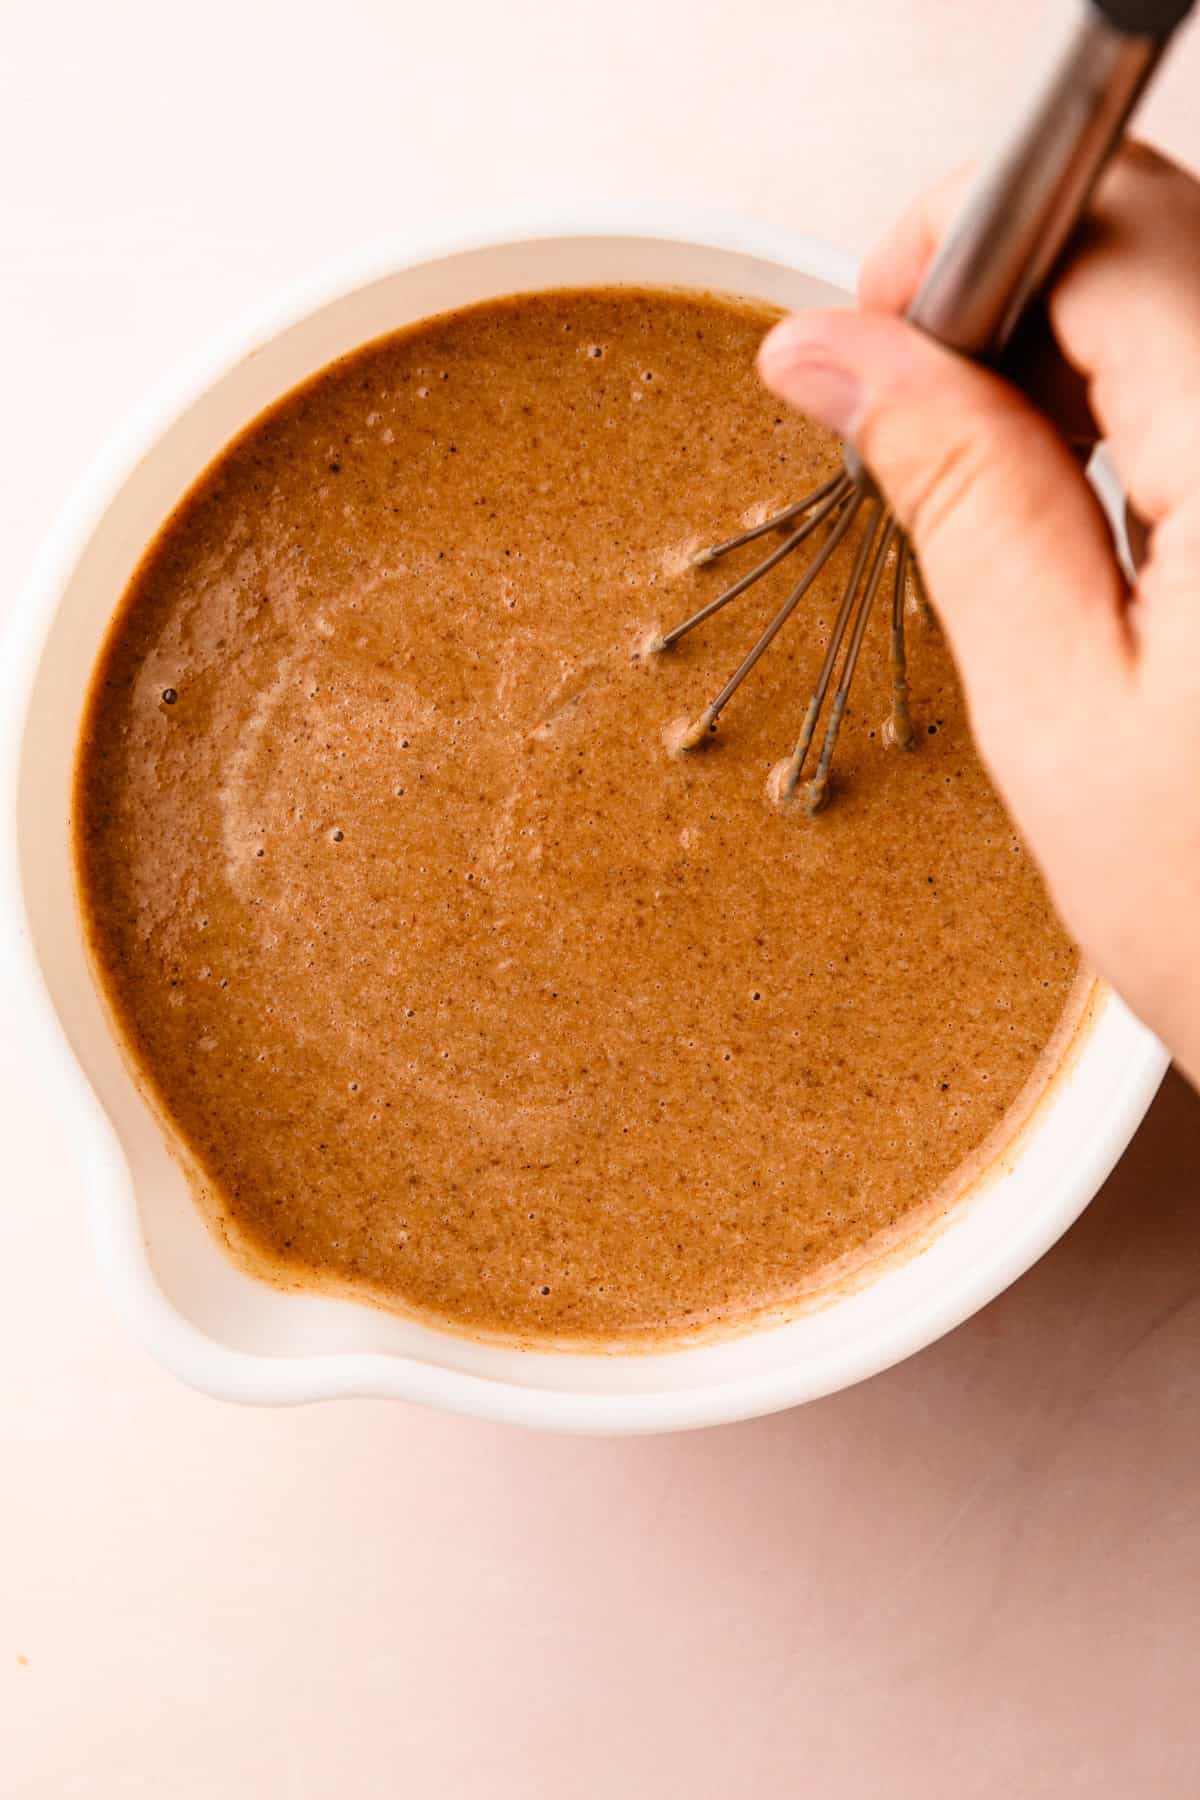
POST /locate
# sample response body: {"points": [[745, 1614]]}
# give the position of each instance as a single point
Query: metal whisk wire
{"points": [[836, 504]]}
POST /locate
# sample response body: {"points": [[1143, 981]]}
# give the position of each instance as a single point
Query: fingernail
{"points": [[800, 371]]}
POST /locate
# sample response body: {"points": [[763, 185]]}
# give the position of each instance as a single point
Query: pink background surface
{"points": [[975, 1576]]}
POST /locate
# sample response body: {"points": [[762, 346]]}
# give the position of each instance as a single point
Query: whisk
{"points": [[989, 268]]}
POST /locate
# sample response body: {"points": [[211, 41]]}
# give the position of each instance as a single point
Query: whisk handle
{"points": [[1026, 202]]}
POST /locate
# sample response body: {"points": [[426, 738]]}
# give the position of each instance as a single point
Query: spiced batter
{"points": [[453, 986]]}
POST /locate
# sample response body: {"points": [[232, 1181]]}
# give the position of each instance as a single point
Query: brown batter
{"points": [[452, 985]]}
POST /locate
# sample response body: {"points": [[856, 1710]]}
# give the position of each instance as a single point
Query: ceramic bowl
{"points": [[222, 1330]]}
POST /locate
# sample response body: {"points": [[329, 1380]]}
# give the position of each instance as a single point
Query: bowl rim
{"points": [[182, 1347]]}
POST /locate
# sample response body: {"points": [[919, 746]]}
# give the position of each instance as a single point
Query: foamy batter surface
{"points": [[455, 987]]}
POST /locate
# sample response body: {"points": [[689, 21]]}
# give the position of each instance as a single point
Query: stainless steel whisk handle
{"points": [[1026, 202]]}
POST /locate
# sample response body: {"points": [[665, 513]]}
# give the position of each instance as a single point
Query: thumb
{"points": [[1012, 542]]}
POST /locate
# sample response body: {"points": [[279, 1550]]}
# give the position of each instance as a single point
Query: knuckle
{"points": [[943, 484], [926, 482], [1142, 158]]}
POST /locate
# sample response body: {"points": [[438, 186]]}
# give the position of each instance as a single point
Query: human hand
{"points": [[1084, 695]]}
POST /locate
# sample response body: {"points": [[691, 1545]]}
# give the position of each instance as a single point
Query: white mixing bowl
{"points": [[220, 1329]]}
